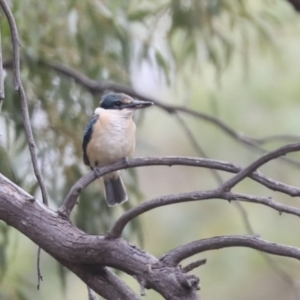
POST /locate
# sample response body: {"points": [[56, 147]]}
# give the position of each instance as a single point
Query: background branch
{"points": [[2, 91], [19, 87], [99, 87]]}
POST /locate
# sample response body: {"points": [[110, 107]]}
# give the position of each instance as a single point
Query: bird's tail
{"points": [[115, 191]]}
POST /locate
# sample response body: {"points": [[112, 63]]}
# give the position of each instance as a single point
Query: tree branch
{"points": [[19, 87], [175, 256], [228, 185], [82, 183], [86, 255], [221, 193], [129, 215]]}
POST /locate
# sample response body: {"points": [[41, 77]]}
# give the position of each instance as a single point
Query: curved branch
{"points": [[175, 256], [118, 227], [19, 87], [228, 185], [82, 183], [129, 215]]}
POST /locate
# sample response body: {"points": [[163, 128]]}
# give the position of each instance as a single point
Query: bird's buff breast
{"points": [[113, 138]]}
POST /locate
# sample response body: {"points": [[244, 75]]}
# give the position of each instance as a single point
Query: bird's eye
{"points": [[118, 103]]}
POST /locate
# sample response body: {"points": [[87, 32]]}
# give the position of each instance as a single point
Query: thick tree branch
{"points": [[175, 256], [19, 87], [86, 255]]}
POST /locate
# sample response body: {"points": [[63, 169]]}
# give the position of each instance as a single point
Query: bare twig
{"points": [[288, 138], [19, 87], [228, 185], [38, 263], [26, 118], [175, 256], [83, 182], [194, 265]]}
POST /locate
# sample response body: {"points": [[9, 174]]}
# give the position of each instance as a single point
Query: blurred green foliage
{"points": [[107, 40]]}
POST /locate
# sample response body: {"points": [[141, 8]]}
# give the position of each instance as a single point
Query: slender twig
{"points": [[194, 265], [83, 182], [38, 263], [19, 87], [245, 218], [15, 43], [288, 138], [175, 256], [26, 118], [267, 201], [228, 185]]}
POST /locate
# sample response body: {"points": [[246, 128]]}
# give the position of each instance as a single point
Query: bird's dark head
{"points": [[122, 101]]}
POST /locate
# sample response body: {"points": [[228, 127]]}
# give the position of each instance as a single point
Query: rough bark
{"points": [[87, 255]]}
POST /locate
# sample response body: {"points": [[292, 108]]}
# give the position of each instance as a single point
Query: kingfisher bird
{"points": [[110, 137]]}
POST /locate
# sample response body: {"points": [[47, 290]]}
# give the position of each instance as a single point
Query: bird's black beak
{"points": [[137, 104]]}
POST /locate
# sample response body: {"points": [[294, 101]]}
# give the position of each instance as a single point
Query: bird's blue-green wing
{"points": [[87, 134]]}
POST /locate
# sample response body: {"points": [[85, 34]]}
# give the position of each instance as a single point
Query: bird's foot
{"points": [[125, 161], [97, 172]]}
